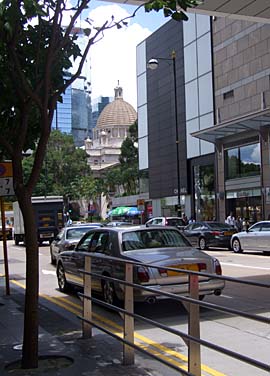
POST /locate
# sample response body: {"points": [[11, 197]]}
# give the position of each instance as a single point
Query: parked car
{"points": [[160, 246], [255, 238], [166, 221], [68, 237], [204, 234]]}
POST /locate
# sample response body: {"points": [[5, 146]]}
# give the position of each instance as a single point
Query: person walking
{"points": [[238, 224]]}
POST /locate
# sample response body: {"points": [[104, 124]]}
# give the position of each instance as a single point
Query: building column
{"points": [[220, 185], [265, 172]]}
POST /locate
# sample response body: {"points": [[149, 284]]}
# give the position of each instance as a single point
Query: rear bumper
{"points": [[205, 288]]}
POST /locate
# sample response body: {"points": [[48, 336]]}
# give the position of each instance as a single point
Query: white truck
{"points": [[49, 218]]}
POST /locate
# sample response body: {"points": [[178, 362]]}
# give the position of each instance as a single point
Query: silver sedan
{"points": [[159, 246], [256, 238]]}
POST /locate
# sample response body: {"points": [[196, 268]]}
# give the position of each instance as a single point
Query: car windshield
{"points": [[77, 233], [153, 239], [219, 225]]}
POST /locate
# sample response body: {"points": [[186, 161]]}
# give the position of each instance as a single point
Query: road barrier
{"points": [[192, 304]]}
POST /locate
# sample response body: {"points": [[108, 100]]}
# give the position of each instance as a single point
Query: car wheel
{"points": [[61, 277], [53, 259], [108, 293], [236, 246], [202, 243]]}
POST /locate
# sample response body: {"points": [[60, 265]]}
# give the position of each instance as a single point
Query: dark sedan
{"points": [[204, 234], [159, 246]]}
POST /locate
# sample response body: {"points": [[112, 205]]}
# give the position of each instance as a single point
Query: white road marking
{"points": [[244, 266], [51, 272]]}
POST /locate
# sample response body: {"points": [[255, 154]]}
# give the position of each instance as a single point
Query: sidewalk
{"points": [[60, 334]]}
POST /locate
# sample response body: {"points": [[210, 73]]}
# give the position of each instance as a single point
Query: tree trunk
{"points": [[31, 322]]}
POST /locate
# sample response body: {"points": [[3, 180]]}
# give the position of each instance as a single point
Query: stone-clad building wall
{"points": [[242, 67]]}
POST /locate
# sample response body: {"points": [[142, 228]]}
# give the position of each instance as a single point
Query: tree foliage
{"points": [[64, 167]]}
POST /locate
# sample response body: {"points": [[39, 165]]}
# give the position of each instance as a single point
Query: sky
{"points": [[113, 58]]}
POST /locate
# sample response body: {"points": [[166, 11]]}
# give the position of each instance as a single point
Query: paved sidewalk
{"points": [[60, 334]]}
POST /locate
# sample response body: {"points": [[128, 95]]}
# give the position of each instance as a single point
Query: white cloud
{"points": [[114, 57]]}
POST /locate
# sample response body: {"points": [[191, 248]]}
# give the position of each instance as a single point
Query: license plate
{"points": [[172, 273], [43, 236], [228, 233]]}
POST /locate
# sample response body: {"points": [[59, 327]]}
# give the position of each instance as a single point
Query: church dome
{"points": [[118, 112]]}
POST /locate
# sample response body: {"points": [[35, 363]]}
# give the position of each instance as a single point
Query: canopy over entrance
{"points": [[249, 10], [216, 133]]}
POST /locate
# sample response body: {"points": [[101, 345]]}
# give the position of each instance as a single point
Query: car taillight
{"points": [[217, 265], [163, 272], [216, 233], [202, 267], [143, 275]]}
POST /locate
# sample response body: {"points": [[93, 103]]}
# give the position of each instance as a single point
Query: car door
{"points": [[192, 232], [57, 242], [74, 260], [264, 237], [250, 239]]}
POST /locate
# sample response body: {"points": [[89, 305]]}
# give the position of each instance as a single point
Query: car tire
{"points": [[53, 259], [61, 278], [236, 246], [202, 244], [16, 240], [108, 293]]}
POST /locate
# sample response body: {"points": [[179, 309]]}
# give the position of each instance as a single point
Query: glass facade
{"points": [[62, 115], [198, 82], [243, 161], [204, 184]]}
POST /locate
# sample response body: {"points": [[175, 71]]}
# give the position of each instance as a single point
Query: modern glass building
{"points": [[62, 119], [223, 111]]}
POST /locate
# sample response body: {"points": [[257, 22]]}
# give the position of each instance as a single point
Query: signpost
{"points": [[6, 189]]}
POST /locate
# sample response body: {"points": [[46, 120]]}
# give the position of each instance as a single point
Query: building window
{"points": [[243, 161], [228, 94]]}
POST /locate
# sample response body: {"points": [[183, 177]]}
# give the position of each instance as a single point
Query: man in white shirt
{"points": [[230, 219]]}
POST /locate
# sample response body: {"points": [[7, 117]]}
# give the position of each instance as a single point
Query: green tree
{"points": [[64, 164], [36, 49]]}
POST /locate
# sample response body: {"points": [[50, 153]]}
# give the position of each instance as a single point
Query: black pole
{"points": [[176, 136]]}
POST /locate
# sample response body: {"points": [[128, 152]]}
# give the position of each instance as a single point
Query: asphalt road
{"points": [[230, 331]]}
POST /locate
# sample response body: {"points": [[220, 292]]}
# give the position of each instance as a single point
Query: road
{"points": [[235, 333]]}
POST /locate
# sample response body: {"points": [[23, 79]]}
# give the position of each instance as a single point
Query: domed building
{"points": [[111, 130]]}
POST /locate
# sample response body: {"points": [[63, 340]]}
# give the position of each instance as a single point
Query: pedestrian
{"points": [[191, 220], [230, 219], [238, 224], [245, 224], [185, 219]]}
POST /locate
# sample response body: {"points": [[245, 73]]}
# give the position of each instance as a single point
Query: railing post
{"points": [[87, 303], [194, 350], [128, 352]]}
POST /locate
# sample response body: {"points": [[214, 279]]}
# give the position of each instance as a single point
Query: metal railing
{"points": [[192, 304]]}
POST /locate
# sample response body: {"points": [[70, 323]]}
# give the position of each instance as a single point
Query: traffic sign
{"points": [[6, 179]]}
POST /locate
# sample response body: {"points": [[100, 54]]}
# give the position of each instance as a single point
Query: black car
{"points": [[204, 234]]}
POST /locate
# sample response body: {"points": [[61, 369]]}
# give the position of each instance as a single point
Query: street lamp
{"points": [[153, 64]]}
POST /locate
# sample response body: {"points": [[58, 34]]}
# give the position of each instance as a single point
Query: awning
{"points": [[251, 122]]}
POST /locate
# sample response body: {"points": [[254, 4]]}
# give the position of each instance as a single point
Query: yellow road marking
{"points": [[77, 310]]}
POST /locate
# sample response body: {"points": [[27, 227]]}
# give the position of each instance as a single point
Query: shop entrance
{"points": [[245, 207]]}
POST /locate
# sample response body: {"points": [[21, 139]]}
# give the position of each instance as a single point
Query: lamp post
{"points": [[153, 64]]}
